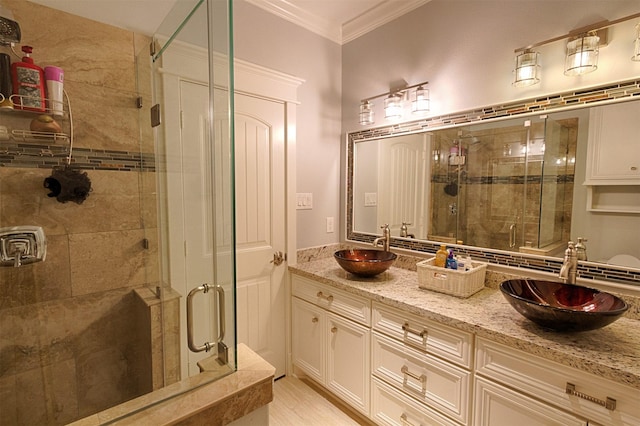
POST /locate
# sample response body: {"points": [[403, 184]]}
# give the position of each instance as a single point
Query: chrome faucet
{"points": [[570, 264], [404, 231], [385, 239], [581, 249]]}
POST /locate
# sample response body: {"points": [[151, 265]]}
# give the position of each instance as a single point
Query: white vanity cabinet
{"points": [[417, 360], [515, 387], [331, 339]]}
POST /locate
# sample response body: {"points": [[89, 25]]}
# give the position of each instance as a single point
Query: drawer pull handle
{"points": [[405, 422], [407, 329], [328, 298], [609, 403], [314, 320], [421, 378]]}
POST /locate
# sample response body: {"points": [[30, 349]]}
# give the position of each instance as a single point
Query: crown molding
{"points": [[378, 16], [339, 32]]}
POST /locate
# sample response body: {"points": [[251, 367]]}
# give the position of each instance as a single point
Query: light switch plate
{"points": [[304, 201], [370, 199]]}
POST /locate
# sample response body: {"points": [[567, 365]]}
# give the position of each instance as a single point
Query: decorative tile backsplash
{"points": [[30, 155]]}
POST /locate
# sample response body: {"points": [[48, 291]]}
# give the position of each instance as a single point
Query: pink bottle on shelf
{"points": [[28, 83], [54, 77]]}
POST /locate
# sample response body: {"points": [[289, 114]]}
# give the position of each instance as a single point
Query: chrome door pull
{"points": [[609, 403], [421, 378], [206, 346]]}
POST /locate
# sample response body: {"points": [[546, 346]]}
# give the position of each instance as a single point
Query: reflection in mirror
{"points": [[505, 185]]}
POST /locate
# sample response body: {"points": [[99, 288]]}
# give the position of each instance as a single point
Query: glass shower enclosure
{"points": [[128, 285], [506, 185]]}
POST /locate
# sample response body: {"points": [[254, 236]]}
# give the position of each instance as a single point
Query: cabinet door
{"points": [[348, 361], [614, 144], [308, 338], [499, 406]]}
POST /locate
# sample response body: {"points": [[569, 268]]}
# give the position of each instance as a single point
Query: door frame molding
{"points": [[188, 62]]}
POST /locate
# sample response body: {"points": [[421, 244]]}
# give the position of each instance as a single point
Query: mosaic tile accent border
{"points": [[573, 99], [586, 97], [31, 155]]}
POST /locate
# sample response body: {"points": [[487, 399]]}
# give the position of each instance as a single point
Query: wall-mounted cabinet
{"points": [[613, 159]]}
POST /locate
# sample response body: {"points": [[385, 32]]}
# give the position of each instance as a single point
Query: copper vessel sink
{"points": [[563, 307], [364, 262]]}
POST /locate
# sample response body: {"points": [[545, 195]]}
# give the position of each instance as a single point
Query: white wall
{"points": [[465, 49], [264, 39]]}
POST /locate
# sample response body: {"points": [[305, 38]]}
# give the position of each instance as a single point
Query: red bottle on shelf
{"points": [[28, 83]]}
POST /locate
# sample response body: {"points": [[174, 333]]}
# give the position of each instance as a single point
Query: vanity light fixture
{"points": [[366, 113], [393, 106], [395, 101], [636, 45], [527, 70], [420, 101], [582, 54]]}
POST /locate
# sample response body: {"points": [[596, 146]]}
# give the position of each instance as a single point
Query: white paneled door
{"points": [[260, 220], [260, 227]]}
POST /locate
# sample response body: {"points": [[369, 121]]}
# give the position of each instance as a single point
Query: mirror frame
{"points": [[623, 91]]}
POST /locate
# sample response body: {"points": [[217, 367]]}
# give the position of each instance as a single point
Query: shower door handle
{"points": [[206, 346], [512, 235]]}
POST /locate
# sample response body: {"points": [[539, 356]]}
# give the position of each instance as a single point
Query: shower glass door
{"points": [[192, 83]]}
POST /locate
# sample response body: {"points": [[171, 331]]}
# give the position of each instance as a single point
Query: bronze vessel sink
{"points": [[364, 262], [563, 307]]}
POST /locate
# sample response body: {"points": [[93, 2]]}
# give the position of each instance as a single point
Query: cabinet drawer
{"points": [[424, 335], [392, 408], [547, 381], [342, 303], [438, 384], [498, 406]]}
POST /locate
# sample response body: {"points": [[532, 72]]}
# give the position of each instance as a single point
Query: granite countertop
{"points": [[612, 352]]}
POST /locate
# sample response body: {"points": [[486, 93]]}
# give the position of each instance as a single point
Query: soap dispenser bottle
{"points": [[441, 257], [28, 83]]}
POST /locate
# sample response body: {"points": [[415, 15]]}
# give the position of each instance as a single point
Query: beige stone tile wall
{"points": [[70, 344]]}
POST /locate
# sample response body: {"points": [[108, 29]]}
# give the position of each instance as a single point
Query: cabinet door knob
{"points": [[334, 330], [634, 168], [314, 320]]}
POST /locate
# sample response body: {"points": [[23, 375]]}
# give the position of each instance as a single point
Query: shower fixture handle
{"points": [[21, 245]]}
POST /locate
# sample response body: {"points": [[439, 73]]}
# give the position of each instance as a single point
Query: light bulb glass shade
{"points": [[636, 45], [582, 55], [393, 106], [527, 70], [366, 113], [420, 101]]}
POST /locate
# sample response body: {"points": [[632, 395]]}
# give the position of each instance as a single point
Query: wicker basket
{"points": [[451, 281]]}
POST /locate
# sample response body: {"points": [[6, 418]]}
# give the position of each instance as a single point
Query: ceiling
{"points": [[338, 20]]}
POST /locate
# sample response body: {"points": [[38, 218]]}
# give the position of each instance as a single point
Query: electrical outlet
{"points": [[329, 225]]}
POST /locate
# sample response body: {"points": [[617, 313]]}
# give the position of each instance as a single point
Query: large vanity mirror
{"points": [[519, 184]]}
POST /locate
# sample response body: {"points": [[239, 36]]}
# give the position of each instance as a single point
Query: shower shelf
{"points": [[39, 137]]}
